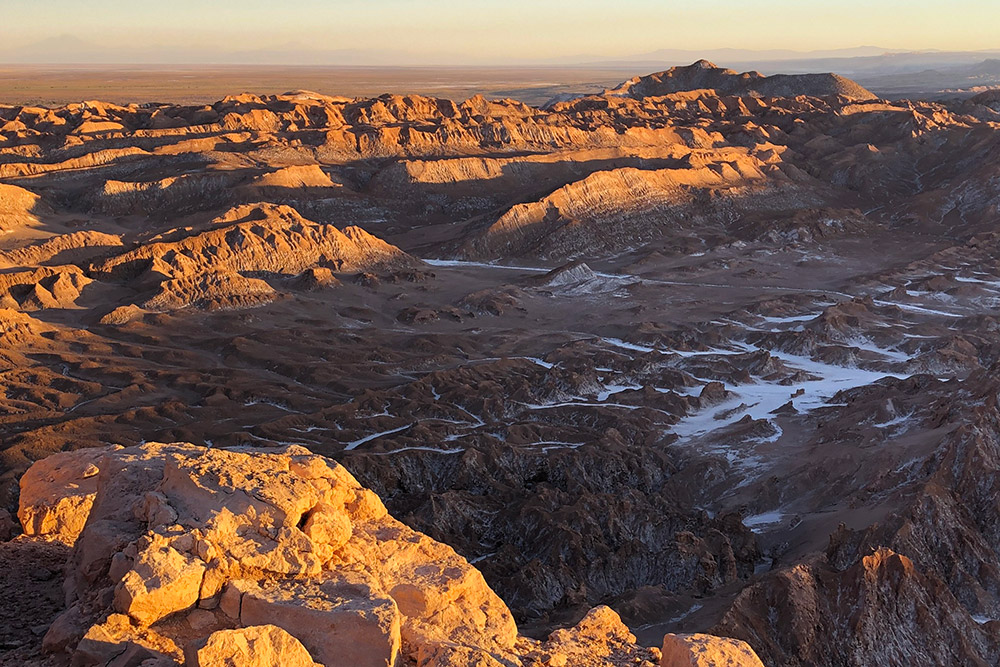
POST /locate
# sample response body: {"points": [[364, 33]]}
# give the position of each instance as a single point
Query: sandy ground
{"points": [[57, 85]]}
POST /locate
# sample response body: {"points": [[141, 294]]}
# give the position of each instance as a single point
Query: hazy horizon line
{"points": [[69, 49]]}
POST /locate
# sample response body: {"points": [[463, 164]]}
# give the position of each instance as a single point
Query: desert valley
{"points": [[698, 370]]}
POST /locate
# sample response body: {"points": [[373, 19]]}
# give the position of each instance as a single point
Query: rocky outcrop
{"points": [[258, 238], [65, 248], [314, 279], [57, 494], [165, 196], [41, 288], [266, 535], [211, 290], [299, 176], [722, 197], [706, 75], [607, 211], [878, 609], [700, 650], [226, 266], [233, 557], [17, 207], [255, 646]]}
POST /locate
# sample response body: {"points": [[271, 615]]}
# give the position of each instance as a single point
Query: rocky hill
{"points": [[16, 206], [704, 75]]}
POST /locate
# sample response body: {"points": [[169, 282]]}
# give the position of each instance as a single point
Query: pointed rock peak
{"points": [[258, 211]]}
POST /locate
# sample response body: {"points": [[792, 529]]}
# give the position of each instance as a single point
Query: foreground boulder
{"points": [[700, 650], [57, 494], [231, 557], [256, 646]]}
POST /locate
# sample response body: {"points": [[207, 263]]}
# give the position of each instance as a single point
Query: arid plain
{"points": [[715, 351], [56, 85]]}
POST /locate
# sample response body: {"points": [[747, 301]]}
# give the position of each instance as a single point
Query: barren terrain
{"points": [[56, 85], [723, 359]]}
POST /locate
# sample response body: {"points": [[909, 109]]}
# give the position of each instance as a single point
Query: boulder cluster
{"points": [[190, 555]]}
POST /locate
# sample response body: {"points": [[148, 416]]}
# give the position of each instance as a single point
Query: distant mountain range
{"points": [[886, 72], [939, 82], [69, 49], [706, 75]]}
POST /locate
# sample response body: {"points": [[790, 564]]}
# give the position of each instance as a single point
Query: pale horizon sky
{"points": [[509, 29]]}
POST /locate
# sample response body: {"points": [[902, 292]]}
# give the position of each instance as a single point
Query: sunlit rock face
{"points": [[229, 556]]}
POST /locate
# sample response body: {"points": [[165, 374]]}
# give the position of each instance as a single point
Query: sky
{"points": [[475, 30]]}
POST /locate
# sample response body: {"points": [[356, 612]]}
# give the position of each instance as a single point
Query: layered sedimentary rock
{"points": [[16, 208], [74, 247], [258, 239], [610, 211]]}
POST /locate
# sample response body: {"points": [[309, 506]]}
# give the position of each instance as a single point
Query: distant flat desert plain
{"points": [[56, 85]]}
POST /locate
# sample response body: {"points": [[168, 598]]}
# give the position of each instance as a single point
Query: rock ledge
{"points": [[245, 557]]}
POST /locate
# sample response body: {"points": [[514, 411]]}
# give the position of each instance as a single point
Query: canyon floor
{"points": [[719, 353]]}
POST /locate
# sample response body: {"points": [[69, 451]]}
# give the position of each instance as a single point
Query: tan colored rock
{"points": [[600, 623], [57, 494], [288, 539], [256, 646], [700, 650], [210, 290], [315, 278], [329, 526], [298, 176], [122, 315], [74, 246], [453, 655], [343, 619], [172, 524], [162, 582], [441, 597], [600, 638], [17, 208], [269, 496], [259, 238], [113, 643]]}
